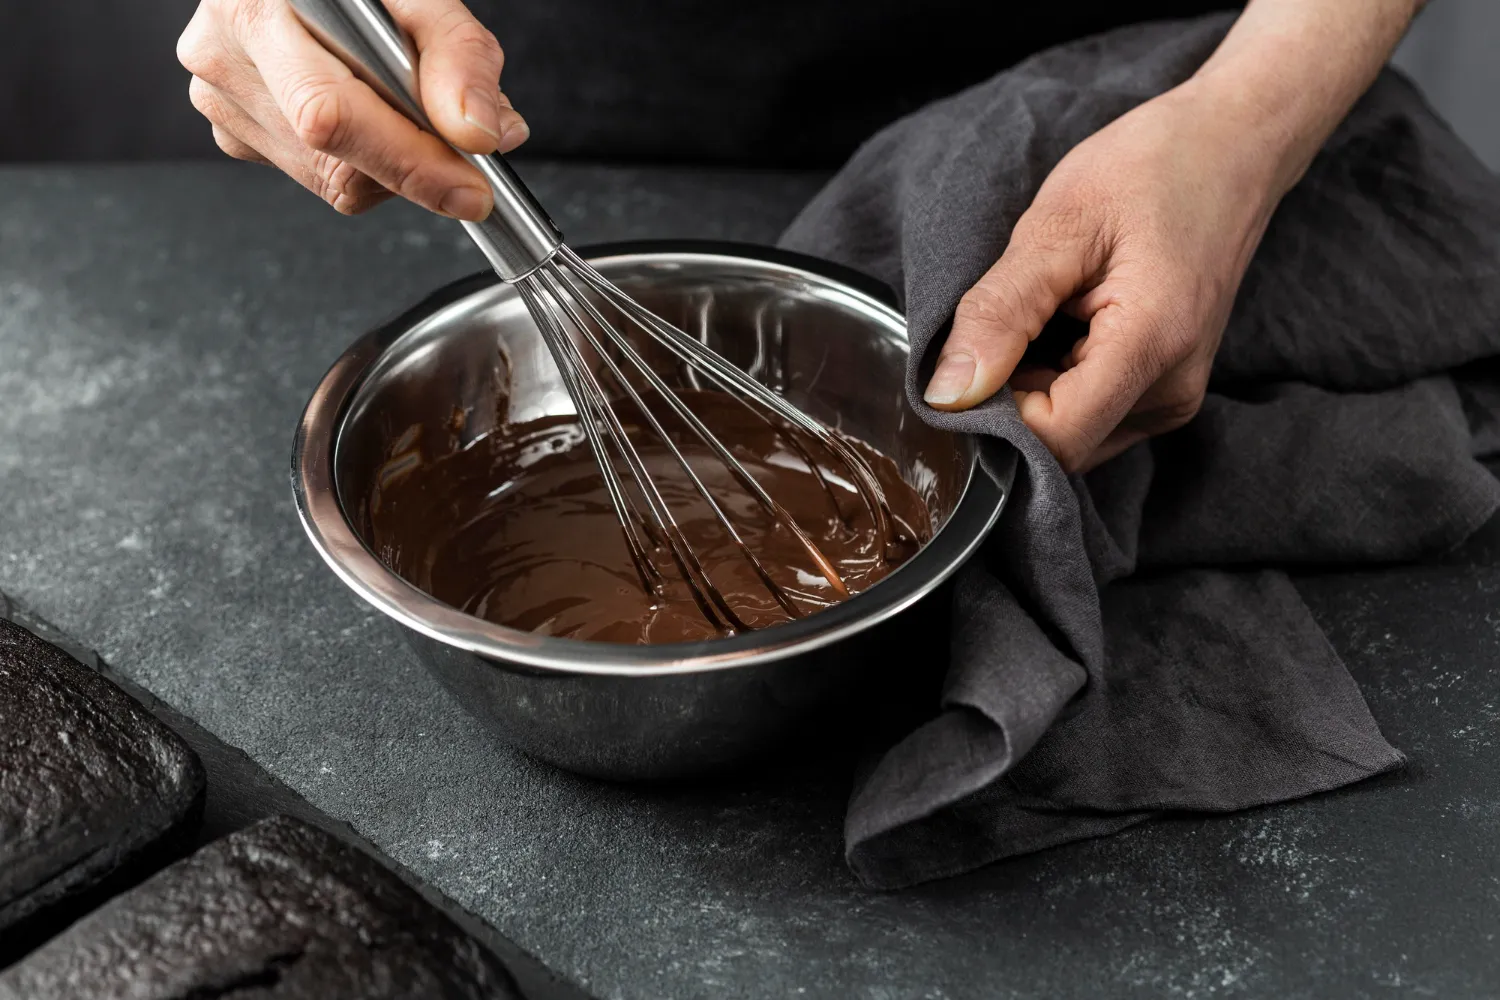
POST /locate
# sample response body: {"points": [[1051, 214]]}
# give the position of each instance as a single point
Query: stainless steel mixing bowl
{"points": [[434, 379]]}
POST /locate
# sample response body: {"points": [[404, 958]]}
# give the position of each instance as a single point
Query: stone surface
{"points": [[90, 782], [161, 329], [240, 793], [281, 911]]}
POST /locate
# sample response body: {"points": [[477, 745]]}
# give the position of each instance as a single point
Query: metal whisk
{"points": [[573, 306]]}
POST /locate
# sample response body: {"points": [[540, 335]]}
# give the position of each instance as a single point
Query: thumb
{"points": [[459, 74], [1002, 314]]}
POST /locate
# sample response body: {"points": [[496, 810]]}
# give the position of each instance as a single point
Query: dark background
{"points": [[98, 79]]}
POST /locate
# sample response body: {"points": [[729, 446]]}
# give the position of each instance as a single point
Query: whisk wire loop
{"points": [[739, 385], [570, 314], [549, 276], [701, 430], [599, 419]]}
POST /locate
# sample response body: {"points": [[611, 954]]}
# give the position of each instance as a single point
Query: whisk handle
{"points": [[518, 236]]}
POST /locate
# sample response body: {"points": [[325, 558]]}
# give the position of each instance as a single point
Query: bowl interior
{"points": [[835, 352]]}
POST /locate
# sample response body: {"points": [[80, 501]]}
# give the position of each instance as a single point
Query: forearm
{"points": [[1289, 71]]}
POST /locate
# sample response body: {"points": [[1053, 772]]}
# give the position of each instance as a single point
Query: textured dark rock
{"points": [[280, 910], [89, 780]]}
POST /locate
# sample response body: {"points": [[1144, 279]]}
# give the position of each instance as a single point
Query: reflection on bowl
{"points": [[432, 380]]}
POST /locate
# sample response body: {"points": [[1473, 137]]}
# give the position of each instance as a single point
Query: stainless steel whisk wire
{"points": [[567, 299]]}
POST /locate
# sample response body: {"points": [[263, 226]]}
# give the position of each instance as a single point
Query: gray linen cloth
{"points": [[1123, 645]]}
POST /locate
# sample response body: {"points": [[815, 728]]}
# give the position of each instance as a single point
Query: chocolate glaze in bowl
{"points": [[519, 529], [430, 383]]}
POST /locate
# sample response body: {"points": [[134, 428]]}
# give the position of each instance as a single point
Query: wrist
{"points": [[1268, 145], [1289, 71], [1246, 148]]}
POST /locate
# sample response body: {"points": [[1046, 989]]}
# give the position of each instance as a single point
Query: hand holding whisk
{"points": [[593, 330]]}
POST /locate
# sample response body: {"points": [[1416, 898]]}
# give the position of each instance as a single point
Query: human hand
{"points": [[1143, 231], [274, 95]]}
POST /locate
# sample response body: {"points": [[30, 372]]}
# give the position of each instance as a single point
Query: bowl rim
{"points": [[328, 528]]}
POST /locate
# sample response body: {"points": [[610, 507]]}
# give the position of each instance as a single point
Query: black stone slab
{"points": [[281, 910], [240, 793], [91, 784], [162, 329]]}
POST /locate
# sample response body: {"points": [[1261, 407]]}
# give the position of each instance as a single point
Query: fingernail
{"points": [[466, 203], [954, 375], [515, 133], [482, 110]]}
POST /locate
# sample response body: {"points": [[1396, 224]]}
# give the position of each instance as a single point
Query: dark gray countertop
{"points": [[160, 330]]}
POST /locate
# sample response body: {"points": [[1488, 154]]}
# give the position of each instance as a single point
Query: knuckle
{"points": [[459, 33], [1181, 401], [1072, 452], [187, 47], [318, 113], [355, 204], [201, 56], [408, 179], [343, 187], [989, 304], [1073, 440], [331, 177], [980, 306], [459, 29], [203, 98], [473, 39], [232, 146], [1062, 224], [242, 16], [1179, 411]]}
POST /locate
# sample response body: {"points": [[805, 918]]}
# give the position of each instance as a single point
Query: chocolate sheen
{"points": [[517, 528]]}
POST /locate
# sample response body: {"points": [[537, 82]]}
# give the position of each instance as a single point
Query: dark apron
{"points": [[763, 82]]}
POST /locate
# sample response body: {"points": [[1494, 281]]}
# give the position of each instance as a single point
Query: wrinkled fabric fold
{"points": [[1128, 642]]}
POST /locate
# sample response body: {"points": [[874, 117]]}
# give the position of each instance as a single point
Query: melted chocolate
{"points": [[517, 528]]}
